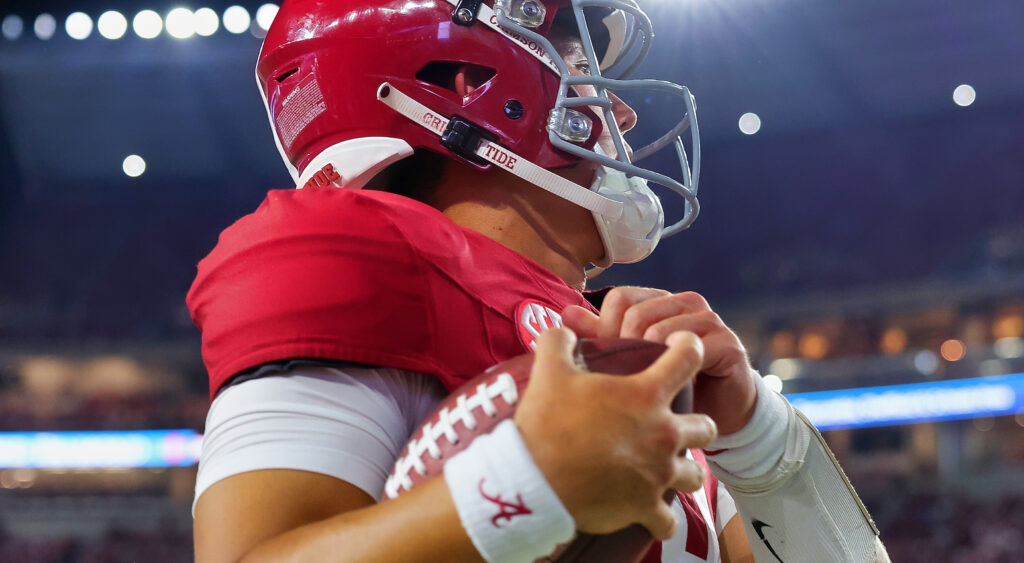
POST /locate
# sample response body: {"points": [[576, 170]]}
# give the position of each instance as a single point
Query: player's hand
{"points": [[610, 446], [724, 390]]}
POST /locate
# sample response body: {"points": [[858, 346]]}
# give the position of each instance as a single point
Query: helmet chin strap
{"points": [[627, 214], [503, 158]]}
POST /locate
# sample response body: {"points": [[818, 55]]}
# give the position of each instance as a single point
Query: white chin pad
{"points": [[633, 236]]}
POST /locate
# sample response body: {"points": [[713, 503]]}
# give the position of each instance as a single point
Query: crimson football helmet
{"points": [[352, 86]]}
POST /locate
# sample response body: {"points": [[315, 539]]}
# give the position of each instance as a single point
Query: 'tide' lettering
{"points": [[323, 177], [501, 157]]}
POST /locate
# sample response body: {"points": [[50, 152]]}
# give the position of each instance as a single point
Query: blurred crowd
{"points": [[117, 546], [933, 527], [143, 411]]}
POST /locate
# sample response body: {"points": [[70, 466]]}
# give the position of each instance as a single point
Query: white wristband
{"points": [[757, 447], [504, 502]]}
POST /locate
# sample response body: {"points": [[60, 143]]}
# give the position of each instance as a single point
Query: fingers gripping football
{"points": [[724, 390], [609, 445], [613, 310], [646, 312], [654, 314], [617, 311]]}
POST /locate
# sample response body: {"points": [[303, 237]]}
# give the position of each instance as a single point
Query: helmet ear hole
{"points": [[461, 78], [286, 75]]}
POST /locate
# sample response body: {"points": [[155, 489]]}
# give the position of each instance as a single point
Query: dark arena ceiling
{"points": [[864, 171]]}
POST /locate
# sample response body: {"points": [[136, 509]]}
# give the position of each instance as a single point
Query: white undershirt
{"points": [[350, 424]]}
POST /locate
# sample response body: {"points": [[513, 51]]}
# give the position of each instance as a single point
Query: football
{"points": [[479, 405]]}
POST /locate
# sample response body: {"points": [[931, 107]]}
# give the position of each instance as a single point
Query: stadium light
{"points": [[237, 20], [139, 448], [180, 23], [45, 26], [12, 27], [134, 165], [147, 24], [750, 123], [206, 22], [112, 25], [912, 403], [265, 15], [78, 25], [964, 95]]}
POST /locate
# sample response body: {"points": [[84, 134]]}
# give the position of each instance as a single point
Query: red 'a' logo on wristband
{"points": [[506, 510]]}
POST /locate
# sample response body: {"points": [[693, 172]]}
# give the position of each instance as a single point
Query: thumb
{"points": [[555, 352], [662, 524], [582, 321]]}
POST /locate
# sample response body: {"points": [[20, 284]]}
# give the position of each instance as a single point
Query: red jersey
{"points": [[380, 279], [368, 277]]}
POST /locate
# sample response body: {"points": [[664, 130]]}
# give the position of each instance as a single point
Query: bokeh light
{"points": [[45, 26], [894, 340], [750, 123], [112, 24], [147, 24], [265, 15], [12, 27], [786, 368], [1008, 326], [953, 350], [813, 345], [206, 22], [180, 23], [78, 25], [237, 20], [134, 165], [964, 95], [1009, 347], [926, 362]]}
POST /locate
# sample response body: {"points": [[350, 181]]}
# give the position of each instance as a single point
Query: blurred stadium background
{"points": [[863, 229]]}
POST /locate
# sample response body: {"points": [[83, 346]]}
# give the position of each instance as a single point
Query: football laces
{"points": [[425, 441]]}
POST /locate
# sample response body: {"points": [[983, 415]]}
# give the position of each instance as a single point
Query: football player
{"points": [[460, 167]]}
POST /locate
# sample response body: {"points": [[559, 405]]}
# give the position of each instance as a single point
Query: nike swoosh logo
{"points": [[758, 526]]}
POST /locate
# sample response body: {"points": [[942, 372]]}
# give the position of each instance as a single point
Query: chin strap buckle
{"points": [[464, 139], [466, 12]]}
